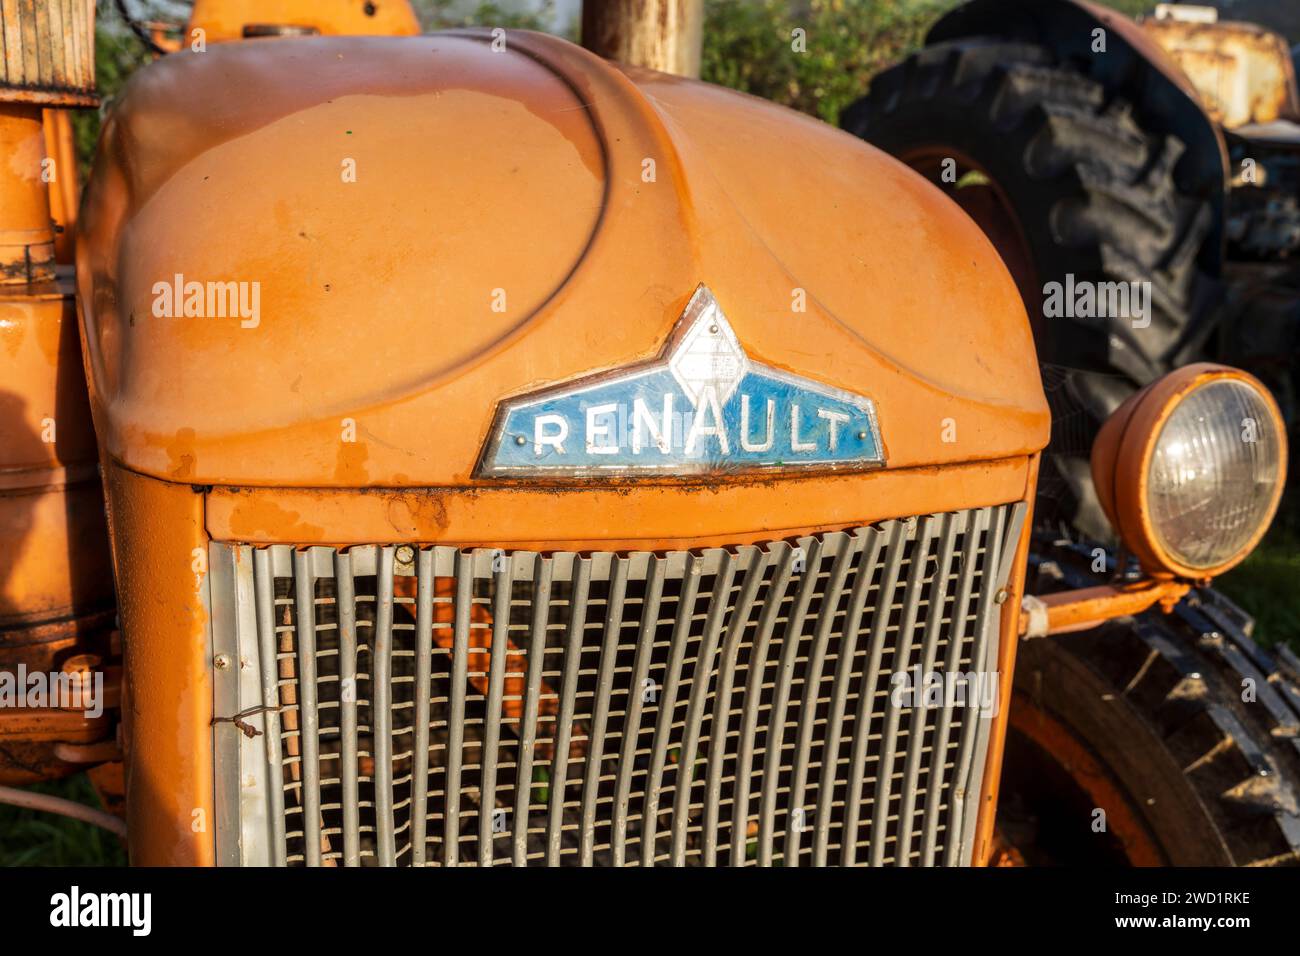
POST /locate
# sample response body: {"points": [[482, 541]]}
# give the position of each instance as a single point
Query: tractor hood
{"points": [[332, 261]]}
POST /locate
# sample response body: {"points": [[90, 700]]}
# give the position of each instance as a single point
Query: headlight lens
{"points": [[1213, 473], [1190, 470]]}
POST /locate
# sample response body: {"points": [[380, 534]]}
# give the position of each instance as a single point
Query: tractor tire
{"points": [[1066, 182], [1178, 726]]}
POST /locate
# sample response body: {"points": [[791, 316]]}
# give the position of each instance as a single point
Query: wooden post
{"points": [[664, 35]]}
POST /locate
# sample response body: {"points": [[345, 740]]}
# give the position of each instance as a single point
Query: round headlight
{"points": [[1190, 470]]}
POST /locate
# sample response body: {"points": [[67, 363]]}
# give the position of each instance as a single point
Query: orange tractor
{"points": [[512, 457]]}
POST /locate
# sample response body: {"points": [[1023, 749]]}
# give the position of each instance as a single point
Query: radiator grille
{"points": [[726, 706]]}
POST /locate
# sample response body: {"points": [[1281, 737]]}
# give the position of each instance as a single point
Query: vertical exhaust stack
{"points": [[664, 35]]}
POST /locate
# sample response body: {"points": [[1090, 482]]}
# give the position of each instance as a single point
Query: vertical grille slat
{"points": [[382, 709], [348, 707], [423, 693], [450, 705], [308, 715], [503, 588], [562, 753], [532, 693], [268, 648], [461, 611], [600, 719]]}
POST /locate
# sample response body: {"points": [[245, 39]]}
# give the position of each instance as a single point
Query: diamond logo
{"points": [[708, 354]]}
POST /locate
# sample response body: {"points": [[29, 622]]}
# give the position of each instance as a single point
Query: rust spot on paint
{"points": [[408, 514], [180, 454]]}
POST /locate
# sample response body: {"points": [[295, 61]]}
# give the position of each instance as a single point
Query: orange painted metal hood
{"points": [[583, 201]]}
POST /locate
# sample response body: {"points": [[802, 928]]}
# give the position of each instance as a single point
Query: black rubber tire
{"points": [[1158, 700], [1095, 195]]}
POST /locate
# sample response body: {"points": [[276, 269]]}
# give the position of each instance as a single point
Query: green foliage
{"points": [[752, 45], [1265, 583], [748, 45], [1131, 8], [35, 838], [438, 15]]}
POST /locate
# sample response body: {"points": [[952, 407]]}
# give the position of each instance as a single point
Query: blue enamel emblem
{"points": [[704, 407]]}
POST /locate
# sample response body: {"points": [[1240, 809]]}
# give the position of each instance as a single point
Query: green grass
{"points": [[1267, 584], [32, 838]]}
